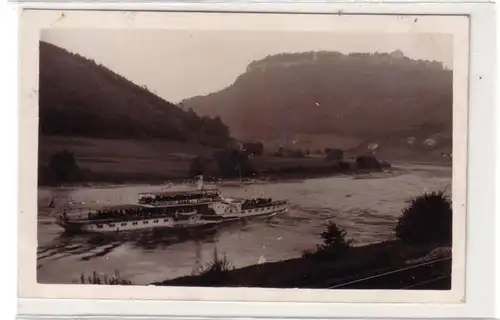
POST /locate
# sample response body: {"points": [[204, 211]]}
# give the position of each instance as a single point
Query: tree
{"points": [[255, 148], [234, 163], [298, 153], [367, 162], [334, 154], [63, 166], [198, 166], [334, 237], [428, 219]]}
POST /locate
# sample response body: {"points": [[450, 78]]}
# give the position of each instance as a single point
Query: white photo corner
{"points": [[257, 160]]}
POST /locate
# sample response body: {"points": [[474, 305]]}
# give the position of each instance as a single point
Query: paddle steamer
{"points": [[174, 209]]}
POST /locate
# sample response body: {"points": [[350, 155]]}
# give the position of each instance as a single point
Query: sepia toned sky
{"points": [[182, 64]]}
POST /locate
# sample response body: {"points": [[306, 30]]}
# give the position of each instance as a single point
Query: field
{"points": [[121, 160], [129, 158]]}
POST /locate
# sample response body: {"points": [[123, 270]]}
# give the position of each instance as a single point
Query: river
{"points": [[366, 208]]}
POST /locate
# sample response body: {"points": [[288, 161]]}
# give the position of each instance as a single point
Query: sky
{"points": [[178, 64]]}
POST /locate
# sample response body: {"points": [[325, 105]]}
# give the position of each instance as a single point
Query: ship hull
{"points": [[168, 223]]}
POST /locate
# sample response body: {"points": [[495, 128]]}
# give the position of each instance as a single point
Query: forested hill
{"points": [[79, 97], [360, 95]]}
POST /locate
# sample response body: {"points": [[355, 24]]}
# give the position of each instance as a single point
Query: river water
{"points": [[367, 208]]}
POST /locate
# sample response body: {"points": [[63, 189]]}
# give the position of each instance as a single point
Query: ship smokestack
{"points": [[199, 182]]}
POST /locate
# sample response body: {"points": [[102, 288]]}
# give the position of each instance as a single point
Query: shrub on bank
{"points": [[334, 239], [62, 168], [344, 166], [367, 162], [216, 265], [385, 165], [216, 271], [334, 243], [427, 219], [334, 154], [96, 278]]}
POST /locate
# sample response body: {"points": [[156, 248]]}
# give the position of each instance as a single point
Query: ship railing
{"points": [[187, 196], [177, 202], [264, 205], [123, 218], [281, 202]]}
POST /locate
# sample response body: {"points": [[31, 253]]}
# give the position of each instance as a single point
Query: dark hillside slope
{"points": [[370, 97], [79, 97]]}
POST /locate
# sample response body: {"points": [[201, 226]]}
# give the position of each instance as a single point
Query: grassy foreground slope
{"points": [[310, 272]]}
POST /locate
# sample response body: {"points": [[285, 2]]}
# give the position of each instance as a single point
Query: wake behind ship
{"points": [[173, 209]]}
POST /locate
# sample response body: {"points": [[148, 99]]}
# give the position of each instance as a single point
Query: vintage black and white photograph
{"points": [[245, 158]]}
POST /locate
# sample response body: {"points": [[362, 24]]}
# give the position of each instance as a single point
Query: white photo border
{"points": [[34, 22], [480, 293]]}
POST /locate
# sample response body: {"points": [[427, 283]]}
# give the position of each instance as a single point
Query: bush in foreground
{"points": [[216, 265], [427, 219], [334, 239], [334, 243], [216, 271]]}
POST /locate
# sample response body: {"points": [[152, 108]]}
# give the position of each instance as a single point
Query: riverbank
{"points": [[119, 162], [153, 180], [313, 271], [267, 170], [93, 161]]}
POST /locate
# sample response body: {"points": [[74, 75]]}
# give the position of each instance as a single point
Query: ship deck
{"points": [[173, 193]]}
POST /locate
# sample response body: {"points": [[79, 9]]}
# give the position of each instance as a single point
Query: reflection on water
{"points": [[367, 208]]}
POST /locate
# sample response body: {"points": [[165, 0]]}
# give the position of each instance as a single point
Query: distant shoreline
{"points": [[264, 179], [397, 169], [443, 164]]}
